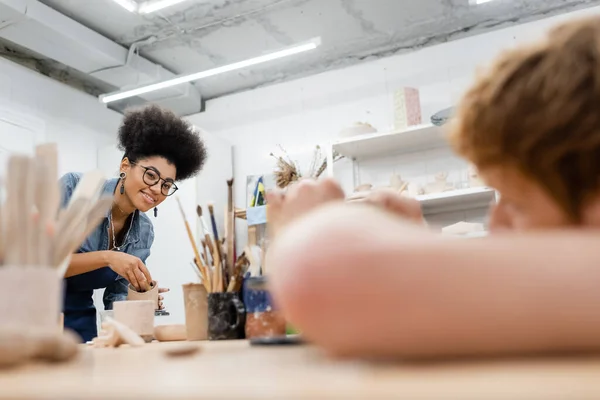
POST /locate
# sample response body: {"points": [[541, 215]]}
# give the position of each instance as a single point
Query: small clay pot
{"points": [[31, 297], [262, 318], [226, 316], [196, 311], [138, 315], [265, 324], [151, 294]]}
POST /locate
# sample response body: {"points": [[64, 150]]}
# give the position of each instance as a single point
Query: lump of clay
{"points": [[170, 333], [114, 334], [18, 346]]}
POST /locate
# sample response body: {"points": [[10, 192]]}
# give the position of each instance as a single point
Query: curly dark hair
{"points": [[154, 131]]}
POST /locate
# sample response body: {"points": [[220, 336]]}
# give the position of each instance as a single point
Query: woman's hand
{"points": [[161, 298], [300, 198], [130, 268]]}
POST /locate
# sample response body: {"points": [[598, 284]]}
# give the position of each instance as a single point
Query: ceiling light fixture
{"points": [[123, 94], [129, 5], [482, 1], [147, 7]]}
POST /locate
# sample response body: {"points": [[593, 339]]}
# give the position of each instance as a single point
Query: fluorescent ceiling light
{"points": [[120, 95], [129, 5], [147, 7], [482, 1]]}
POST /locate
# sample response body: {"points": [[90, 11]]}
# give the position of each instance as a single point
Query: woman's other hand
{"points": [[161, 298], [390, 200], [130, 268]]}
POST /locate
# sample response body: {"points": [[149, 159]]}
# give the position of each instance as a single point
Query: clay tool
{"points": [[15, 214], [48, 154], [230, 228], [93, 218], [30, 222], [203, 270], [47, 197]]}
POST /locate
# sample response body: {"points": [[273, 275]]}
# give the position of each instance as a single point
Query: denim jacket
{"points": [[80, 313]]}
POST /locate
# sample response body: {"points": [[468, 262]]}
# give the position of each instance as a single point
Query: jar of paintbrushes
{"points": [[220, 275]]}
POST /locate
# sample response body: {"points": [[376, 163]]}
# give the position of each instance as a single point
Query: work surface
{"points": [[236, 370]]}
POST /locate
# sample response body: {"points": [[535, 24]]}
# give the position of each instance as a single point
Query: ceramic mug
{"points": [[196, 311], [262, 318], [31, 297], [138, 315], [226, 316], [151, 294]]}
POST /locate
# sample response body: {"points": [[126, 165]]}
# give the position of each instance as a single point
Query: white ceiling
{"points": [[200, 34]]}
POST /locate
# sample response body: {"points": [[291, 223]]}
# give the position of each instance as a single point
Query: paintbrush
{"points": [[203, 269], [230, 228], [218, 263], [205, 252], [206, 232]]}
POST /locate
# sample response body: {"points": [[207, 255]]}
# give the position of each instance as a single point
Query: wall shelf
{"points": [[371, 145], [456, 200]]}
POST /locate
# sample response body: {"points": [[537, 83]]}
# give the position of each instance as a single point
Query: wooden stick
{"points": [[203, 271]]}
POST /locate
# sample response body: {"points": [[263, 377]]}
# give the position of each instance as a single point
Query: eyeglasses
{"points": [[152, 177]]}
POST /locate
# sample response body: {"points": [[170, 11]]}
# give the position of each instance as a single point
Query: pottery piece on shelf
{"points": [[358, 128], [462, 228], [138, 315], [170, 333], [365, 187], [413, 190], [474, 179], [151, 294], [439, 185], [396, 182], [442, 116], [407, 108]]}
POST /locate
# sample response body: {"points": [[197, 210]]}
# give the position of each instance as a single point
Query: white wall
{"points": [[77, 122], [301, 113]]}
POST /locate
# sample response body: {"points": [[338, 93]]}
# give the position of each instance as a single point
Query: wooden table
{"points": [[236, 370]]}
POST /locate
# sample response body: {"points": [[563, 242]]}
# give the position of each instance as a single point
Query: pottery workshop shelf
{"points": [[418, 138], [456, 200]]}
